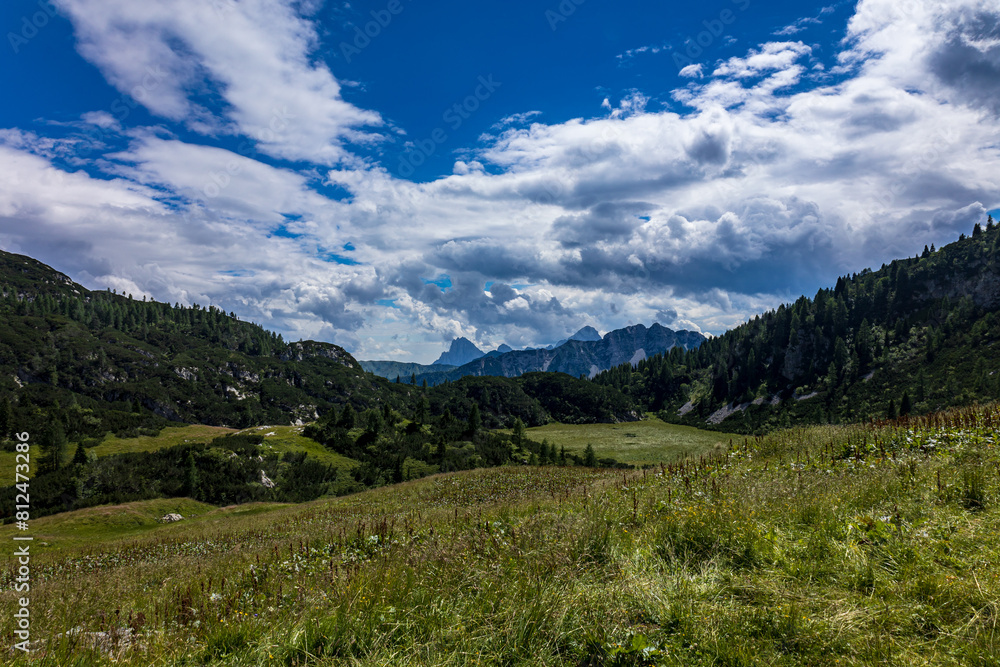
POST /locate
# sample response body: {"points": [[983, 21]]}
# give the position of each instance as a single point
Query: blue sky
{"points": [[388, 175]]}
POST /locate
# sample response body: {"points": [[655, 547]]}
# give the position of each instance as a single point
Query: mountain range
{"points": [[579, 358], [584, 354]]}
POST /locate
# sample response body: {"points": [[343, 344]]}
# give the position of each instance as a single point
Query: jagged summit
{"points": [[586, 334], [461, 352]]}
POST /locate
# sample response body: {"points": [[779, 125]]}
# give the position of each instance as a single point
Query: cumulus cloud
{"points": [[773, 56], [256, 55], [758, 185]]}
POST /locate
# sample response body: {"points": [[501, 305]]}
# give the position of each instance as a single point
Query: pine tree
{"points": [[6, 418], [348, 418], [423, 407], [53, 445], [190, 488], [517, 435], [475, 420]]}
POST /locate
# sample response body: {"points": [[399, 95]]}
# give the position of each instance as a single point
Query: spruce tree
{"points": [[517, 436], [348, 418], [589, 457], [190, 475], [80, 457], [53, 445], [904, 404], [6, 418], [422, 409], [475, 420]]}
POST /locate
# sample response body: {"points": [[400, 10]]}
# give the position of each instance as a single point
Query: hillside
{"points": [[402, 369], [861, 545], [108, 352], [917, 335], [579, 358], [92, 374]]}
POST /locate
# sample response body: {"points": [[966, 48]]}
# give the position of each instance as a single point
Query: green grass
{"points": [[283, 439], [168, 437], [277, 439], [638, 443], [849, 545], [96, 525]]}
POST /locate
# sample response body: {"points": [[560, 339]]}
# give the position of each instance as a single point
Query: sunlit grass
{"points": [[855, 545], [277, 439], [168, 437], [648, 441]]}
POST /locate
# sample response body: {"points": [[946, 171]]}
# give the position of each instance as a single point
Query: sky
{"points": [[390, 175]]}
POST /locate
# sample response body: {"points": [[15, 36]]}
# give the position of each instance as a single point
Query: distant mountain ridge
{"points": [[577, 357], [587, 333], [402, 369]]}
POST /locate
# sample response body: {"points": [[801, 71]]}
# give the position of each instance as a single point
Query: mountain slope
{"points": [[402, 369], [585, 334], [578, 358], [60, 342], [917, 335]]}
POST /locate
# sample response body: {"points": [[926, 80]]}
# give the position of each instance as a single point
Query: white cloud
{"points": [[692, 71], [763, 187], [256, 54], [771, 57]]}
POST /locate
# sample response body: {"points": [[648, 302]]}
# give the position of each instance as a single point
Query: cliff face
{"points": [[577, 358]]}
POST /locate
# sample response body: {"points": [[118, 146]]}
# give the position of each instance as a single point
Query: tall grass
{"points": [[858, 545]]}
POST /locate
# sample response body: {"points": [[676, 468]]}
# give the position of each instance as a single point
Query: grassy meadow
{"points": [[836, 545], [650, 441], [277, 439]]}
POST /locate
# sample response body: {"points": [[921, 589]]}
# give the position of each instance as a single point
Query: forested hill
{"points": [[124, 364], [917, 335], [150, 361]]}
